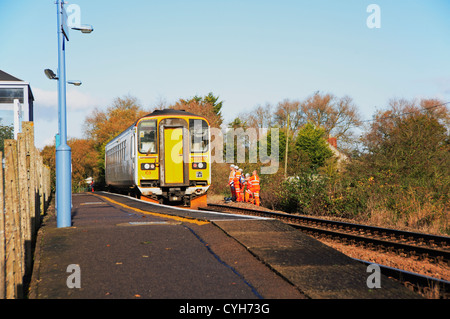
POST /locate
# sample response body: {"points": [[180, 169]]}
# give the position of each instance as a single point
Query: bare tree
{"points": [[291, 109], [336, 115], [261, 117]]}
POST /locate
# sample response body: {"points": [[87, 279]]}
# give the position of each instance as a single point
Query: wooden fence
{"points": [[24, 195]]}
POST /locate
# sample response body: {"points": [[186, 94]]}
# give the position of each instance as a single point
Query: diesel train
{"points": [[164, 157]]}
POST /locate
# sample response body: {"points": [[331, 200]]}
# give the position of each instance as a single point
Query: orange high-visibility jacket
{"points": [[237, 178], [249, 184], [254, 183], [231, 178]]}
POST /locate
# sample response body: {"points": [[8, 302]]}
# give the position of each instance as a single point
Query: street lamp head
{"points": [[85, 28], [76, 83], [50, 74]]}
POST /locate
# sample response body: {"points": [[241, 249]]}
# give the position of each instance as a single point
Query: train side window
{"points": [[147, 137], [198, 130], [132, 146]]}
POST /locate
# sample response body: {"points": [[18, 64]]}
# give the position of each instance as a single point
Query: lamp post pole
{"points": [[63, 151]]}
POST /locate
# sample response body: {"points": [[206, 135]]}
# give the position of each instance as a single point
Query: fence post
{"points": [[28, 128], [24, 203], [40, 172], [2, 235], [47, 185], [12, 223]]}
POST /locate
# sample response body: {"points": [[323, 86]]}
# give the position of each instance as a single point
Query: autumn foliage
{"points": [[84, 161], [102, 126]]}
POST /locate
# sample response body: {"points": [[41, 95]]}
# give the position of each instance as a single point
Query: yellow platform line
{"points": [[177, 218]]}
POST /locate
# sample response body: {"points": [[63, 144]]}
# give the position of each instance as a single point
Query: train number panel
{"points": [[164, 157]]}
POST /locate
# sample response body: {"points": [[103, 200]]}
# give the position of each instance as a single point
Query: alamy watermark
{"points": [[239, 146], [74, 279], [374, 280], [374, 19], [73, 15]]}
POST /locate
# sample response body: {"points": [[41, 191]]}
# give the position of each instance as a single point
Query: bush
{"points": [[303, 194], [219, 179], [377, 200]]}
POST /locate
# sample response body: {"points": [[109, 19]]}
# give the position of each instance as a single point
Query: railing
{"points": [[24, 196]]}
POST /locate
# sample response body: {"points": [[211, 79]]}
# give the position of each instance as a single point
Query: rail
{"points": [[424, 285], [436, 248], [392, 241]]}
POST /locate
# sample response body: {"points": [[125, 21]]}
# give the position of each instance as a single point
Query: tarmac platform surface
{"points": [[127, 248]]}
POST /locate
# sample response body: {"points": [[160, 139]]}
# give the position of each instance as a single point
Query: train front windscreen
{"points": [[199, 133], [147, 134]]}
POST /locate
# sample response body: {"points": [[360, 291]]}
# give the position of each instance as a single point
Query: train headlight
{"points": [[148, 166], [199, 165]]}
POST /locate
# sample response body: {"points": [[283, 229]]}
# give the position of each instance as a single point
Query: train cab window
{"points": [[147, 137], [199, 136]]}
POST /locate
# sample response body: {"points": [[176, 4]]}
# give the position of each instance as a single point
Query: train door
{"points": [[173, 155], [174, 145]]}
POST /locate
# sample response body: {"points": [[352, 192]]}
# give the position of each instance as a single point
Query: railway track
{"points": [[414, 245], [435, 248]]}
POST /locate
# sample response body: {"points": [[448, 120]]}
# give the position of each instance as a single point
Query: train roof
{"points": [[171, 112]]}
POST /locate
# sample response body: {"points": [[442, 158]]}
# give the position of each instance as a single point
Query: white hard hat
{"points": [[247, 175], [232, 166], [236, 167], [241, 169]]}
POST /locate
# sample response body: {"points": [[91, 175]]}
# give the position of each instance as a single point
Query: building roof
{"points": [[8, 77]]}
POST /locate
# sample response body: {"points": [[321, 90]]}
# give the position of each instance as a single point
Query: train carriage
{"points": [[163, 157]]}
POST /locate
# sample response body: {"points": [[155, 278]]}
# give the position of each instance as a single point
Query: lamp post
{"points": [[63, 151], [52, 76]]}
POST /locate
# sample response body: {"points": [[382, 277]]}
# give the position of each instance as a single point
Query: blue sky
{"points": [[248, 52]]}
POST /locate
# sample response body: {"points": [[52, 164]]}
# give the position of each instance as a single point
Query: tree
{"points": [[102, 126], [84, 161], [212, 100], [289, 111], [311, 141], [403, 173], [48, 158], [235, 139], [259, 117], [337, 116], [411, 141], [206, 106], [6, 132]]}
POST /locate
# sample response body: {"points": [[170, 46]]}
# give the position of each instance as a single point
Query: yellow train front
{"points": [[163, 157]]}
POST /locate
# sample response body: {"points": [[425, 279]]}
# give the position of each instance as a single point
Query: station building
{"points": [[16, 102]]}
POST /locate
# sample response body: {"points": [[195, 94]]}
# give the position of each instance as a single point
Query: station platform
{"points": [[124, 248]]}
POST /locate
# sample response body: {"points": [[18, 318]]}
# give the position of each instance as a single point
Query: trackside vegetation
{"points": [[391, 170]]}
